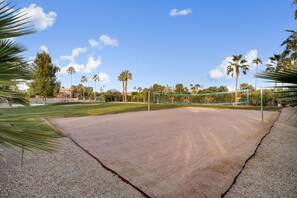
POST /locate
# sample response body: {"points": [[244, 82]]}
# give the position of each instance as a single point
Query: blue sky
{"points": [[165, 42]]}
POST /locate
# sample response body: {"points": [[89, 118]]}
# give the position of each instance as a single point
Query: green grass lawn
{"points": [[34, 117]]}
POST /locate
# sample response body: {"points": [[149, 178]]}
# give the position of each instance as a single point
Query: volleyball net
{"points": [[214, 98]]}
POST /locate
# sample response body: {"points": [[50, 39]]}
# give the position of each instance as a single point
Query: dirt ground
{"points": [[186, 152]]}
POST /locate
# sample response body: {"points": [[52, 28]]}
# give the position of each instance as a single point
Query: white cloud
{"points": [[221, 70], [92, 64], [75, 53], [38, 17], [104, 78], [43, 48], [252, 55], [93, 43], [77, 67], [104, 40], [176, 12], [89, 67]]}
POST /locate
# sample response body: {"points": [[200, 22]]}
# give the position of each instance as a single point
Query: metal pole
{"points": [[148, 101], [261, 105]]}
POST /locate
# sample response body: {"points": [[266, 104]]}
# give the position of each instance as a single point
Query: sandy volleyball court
{"points": [[186, 152]]}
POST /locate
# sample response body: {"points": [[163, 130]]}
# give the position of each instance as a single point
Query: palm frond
{"points": [[12, 22], [15, 137], [13, 68], [289, 92]]}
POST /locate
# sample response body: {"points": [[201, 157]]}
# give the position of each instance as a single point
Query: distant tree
{"points": [[223, 89], [234, 67], [158, 88], [139, 89], [195, 88], [257, 61], [127, 75], [95, 78], [45, 82], [112, 95], [121, 78], [84, 79], [179, 88], [71, 71], [244, 86], [211, 89]]}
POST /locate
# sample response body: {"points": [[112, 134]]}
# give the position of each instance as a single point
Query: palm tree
{"points": [[12, 67], [127, 76], [139, 89], [195, 88], [234, 67], [84, 80], [278, 63], [257, 61], [121, 78], [192, 88], [71, 71], [95, 78]]}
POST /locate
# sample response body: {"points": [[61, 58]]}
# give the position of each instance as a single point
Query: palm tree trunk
{"points": [[70, 87], [236, 98], [44, 101], [256, 78], [123, 94], [83, 93], [95, 92], [126, 90]]}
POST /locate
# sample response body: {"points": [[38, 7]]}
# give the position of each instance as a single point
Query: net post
{"points": [[247, 96], [261, 105], [148, 100]]}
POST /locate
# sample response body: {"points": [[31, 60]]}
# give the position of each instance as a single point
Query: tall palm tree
{"points": [[95, 78], [127, 76], [257, 61], [121, 78], [12, 67], [84, 79], [71, 71], [234, 67]]}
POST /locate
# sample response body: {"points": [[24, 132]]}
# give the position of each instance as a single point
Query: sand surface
{"points": [[186, 152]]}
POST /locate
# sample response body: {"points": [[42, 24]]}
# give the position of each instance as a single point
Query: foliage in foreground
{"points": [[14, 69], [288, 93]]}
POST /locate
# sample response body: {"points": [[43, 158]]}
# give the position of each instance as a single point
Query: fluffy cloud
{"points": [[176, 12], [39, 18], [92, 64], [252, 55], [104, 40], [104, 78], [89, 67], [93, 43], [43, 48], [221, 70], [75, 53]]}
